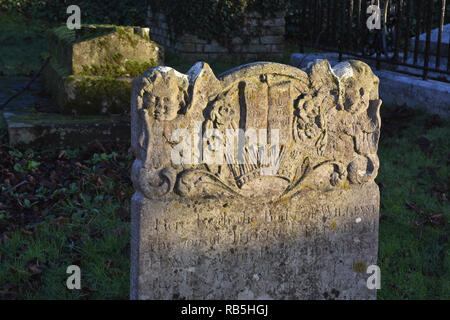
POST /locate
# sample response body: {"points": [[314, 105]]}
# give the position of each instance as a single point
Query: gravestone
{"points": [[258, 184], [88, 79], [91, 69]]}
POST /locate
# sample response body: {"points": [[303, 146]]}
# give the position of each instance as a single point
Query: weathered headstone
{"points": [[91, 69], [284, 208]]}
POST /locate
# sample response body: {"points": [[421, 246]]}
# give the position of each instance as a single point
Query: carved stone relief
{"points": [[325, 124]]}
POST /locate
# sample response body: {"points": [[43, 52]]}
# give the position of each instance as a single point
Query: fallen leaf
{"points": [[19, 271], [34, 269], [87, 290], [437, 219], [26, 232], [62, 155]]}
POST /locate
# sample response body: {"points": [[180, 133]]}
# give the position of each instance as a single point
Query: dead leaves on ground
{"points": [[425, 218], [23, 197]]}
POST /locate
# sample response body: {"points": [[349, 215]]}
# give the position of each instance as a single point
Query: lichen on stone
{"points": [[118, 66], [91, 69], [99, 95]]}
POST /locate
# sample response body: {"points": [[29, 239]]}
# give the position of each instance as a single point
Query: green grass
{"points": [[86, 226], [414, 248], [103, 261]]}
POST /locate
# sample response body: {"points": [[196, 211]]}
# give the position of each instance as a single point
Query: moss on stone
{"points": [[88, 32], [116, 67], [135, 68], [92, 69], [127, 34], [93, 31], [65, 34], [98, 95]]}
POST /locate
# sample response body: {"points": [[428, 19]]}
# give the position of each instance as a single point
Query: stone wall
{"points": [[267, 43], [396, 88]]}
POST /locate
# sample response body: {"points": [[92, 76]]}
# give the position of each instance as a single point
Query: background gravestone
{"points": [[89, 77], [304, 228], [91, 69]]}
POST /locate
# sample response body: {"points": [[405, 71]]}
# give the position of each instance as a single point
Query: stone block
{"points": [[254, 14], [258, 48], [237, 41], [272, 39], [199, 47], [255, 41], [249, 23], [187, 47], [277, 47], [194, 40], [273, 31], [190, 38], [280, 14], [214, 48], [250, 56], [276, 22]]}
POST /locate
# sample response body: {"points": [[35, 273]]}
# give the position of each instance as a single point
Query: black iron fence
{"points": [[405, 35]]}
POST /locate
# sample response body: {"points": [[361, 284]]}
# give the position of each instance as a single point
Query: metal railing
{"points": [[405, 40]]}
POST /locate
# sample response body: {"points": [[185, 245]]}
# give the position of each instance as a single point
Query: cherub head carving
{"points": [[222, 112], [360, 88], [165, 93]]}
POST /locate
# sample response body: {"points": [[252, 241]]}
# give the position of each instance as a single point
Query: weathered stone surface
{"points": [[91, 69], [286, 209]]}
